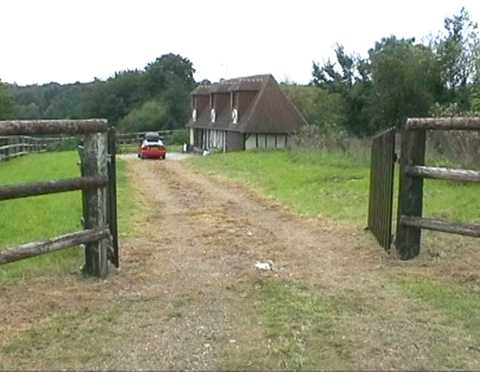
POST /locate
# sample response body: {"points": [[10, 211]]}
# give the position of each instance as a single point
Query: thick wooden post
{"points": [[410, 198], [95, 164]]}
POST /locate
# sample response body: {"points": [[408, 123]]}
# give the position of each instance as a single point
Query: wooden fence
{"points": [[98, 186], [413, 171], [14, 146], [136, 138]]}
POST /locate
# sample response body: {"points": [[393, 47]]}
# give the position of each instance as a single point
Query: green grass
{"points": [[129, 207], [42, 217], [75, 339], [459, 304], [300, 325], [331, 185], [127, 149]]}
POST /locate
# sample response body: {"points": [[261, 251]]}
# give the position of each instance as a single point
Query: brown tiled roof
{"points": [[271, 111], [249, 83]]}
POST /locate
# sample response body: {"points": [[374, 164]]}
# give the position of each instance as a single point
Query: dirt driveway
{"points": [[188, 294]]}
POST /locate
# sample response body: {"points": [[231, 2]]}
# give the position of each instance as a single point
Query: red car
{"points": [[152, 147]]}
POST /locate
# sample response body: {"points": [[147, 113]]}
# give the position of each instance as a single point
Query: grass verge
{"points": [[331, 185], [457, 303], [42, 217]]}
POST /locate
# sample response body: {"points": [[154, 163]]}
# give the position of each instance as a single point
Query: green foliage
{"points": [[169, 79], [459, 57], [320, 108], [353, 83], [6, 103], [178, 138], [406, 82], [402, 78], [151, 116], [476, 98]]}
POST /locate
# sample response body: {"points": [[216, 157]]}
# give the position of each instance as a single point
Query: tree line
{"points": [[156, 97], [398, 78]]}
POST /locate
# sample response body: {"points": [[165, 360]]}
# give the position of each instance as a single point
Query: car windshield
{"points": [[152, 138]]}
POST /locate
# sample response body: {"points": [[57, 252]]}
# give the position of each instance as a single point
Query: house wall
{"points": [[192, 136], [265, 141], [222, 102], [235, 141], [200, 102], [209, 139]]}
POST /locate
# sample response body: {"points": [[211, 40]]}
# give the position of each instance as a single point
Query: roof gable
{"points": [[270, 110]]}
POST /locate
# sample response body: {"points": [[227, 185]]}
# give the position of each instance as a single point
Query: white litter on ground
{"points": [[264, 265]]}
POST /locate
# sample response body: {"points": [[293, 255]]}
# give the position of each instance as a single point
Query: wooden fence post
{"points": [[7, 150], [410, 195], [112, 194], [95, 164]]}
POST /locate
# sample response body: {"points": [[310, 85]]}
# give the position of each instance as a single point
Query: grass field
{"points": [[331, 185], [47, 216]]}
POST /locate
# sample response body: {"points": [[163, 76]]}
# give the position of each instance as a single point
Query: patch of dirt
{"points": [[184, 284]]}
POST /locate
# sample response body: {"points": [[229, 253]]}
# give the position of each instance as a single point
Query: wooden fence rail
{"points": [[97, 183], [14, 146], [46, 246], [135, 138], [413, 171]]}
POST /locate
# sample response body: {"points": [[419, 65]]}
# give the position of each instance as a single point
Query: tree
{"points": [[406, 81], [169, 79], [6, 103], [167, 70], [321, 108], [328, 77], [459, 54], [351, 80], [151, 116]]}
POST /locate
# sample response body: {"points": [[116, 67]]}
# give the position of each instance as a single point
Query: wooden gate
{"points": [[381, 187]]}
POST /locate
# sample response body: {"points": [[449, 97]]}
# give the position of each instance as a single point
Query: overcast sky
{"points": [[68, 41]]}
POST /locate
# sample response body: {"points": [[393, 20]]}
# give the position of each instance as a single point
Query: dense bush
{"points": [[152, 115]]}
